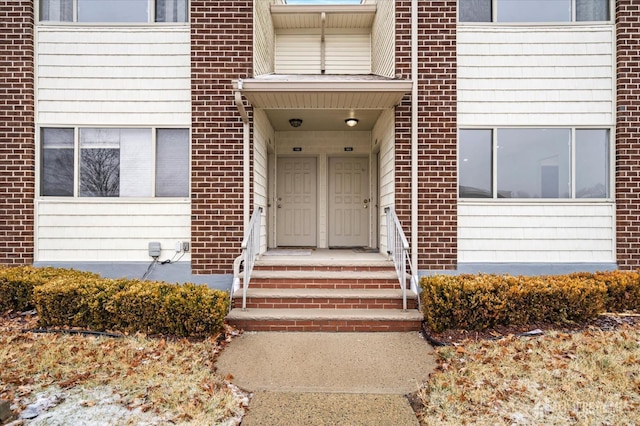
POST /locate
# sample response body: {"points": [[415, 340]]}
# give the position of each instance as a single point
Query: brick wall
{"points": [[221, 51], [628, 133], [437, 130], [17, 137]]}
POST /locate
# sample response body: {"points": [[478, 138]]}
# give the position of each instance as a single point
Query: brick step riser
{"points": [[323, 283], [328, 325], [322, 303]]}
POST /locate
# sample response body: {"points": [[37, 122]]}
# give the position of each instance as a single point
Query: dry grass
{"points": [[586, 378], [174, 379]]}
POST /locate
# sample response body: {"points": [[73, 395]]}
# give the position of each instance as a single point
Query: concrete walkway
{"points": [[328, 378]]}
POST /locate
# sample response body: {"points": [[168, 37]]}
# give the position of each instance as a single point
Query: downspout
{"points": [[414, 134], [246, 157], [323, 54]]}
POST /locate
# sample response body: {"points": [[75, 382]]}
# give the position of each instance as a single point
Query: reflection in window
{"points": [[56, 176], [99, 163], [592, 165], [474, 163], [539, 11], [115, 162], [114, 11], [592, 10], [534, 163], [171, 11], [475, 11], [534, 11], [172, 163], [56, 10]]}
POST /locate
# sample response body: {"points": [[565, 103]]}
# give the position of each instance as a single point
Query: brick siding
{"points": [[437, 131], [221, 51], [628, 133], [17, 132]]}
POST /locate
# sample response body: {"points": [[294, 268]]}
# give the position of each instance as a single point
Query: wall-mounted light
{"points": [[295, 122], [351, 122]]}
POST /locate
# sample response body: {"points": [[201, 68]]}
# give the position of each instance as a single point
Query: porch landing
{"points": [[324, 290]]}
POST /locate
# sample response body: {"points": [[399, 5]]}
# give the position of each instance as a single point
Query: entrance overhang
{"points": [[323, 101], [323, 91]]}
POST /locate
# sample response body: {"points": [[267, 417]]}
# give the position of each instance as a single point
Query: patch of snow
{"points": [[98, 406]]}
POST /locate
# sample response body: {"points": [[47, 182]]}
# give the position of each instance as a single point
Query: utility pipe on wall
{"points": [[414, 134]]}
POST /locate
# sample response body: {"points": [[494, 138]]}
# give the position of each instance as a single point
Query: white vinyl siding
{"points": [[383, 135], [113, 76], [109, 230], [263, 140], [529, 76], [297, 53], [348, 53], [383, 58], [536, 232], [263, 38], [300, 52]]}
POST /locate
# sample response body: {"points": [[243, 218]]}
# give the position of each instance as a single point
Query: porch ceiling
{"points": [[323, 102]]}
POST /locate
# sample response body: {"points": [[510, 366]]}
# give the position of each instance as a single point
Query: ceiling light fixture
{"points": [[295, 122], [351, 122]]}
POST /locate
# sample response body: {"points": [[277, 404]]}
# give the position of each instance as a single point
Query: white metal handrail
{"points": [[398, 249], [250, 250]]}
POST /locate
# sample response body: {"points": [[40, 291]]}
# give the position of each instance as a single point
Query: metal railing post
{"points": [[250, 249], [398, 249]]}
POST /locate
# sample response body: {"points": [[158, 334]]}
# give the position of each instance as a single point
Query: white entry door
{"points": [[296, 201], [348, 202]]}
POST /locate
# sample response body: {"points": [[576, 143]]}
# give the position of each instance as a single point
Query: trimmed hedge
{"points": [[476, 302], [79, 299], [17, 284]]}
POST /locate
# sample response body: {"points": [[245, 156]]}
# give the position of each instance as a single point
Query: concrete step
{"points": [[333, 320], [356, 279], [322, 298]]}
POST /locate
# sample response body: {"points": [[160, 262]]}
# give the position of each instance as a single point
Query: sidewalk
{"points": [[328, 378]]}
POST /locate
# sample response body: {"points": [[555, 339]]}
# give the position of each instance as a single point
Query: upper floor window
{"points": [[113, 11], [533, 10], [114, 162], [552, 163]]}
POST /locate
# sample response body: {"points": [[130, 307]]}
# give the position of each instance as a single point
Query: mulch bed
{"points": [[607, 321]]}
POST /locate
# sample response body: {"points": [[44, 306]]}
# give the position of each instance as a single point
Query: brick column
{"points": [[17, 132], [437, 130], [221, 51], [627, 141]]}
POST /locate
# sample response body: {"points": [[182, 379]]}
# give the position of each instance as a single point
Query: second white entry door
{"points": [[348, 202], [296, 201]]}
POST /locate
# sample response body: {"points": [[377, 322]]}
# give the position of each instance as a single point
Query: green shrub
{"points": [[476, 302], [17, 284], [77, 302], [181, 310], [186, 310], [623, 290]]}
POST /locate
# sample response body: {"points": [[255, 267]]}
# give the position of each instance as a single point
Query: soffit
{"points": [[324, 92], [310, 16]]}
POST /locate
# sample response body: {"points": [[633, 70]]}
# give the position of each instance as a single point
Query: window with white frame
{"points": [[113, 11], [539, 11], [114, 162], [538, 163]]}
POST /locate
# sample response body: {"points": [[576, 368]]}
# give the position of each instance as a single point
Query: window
{"points": [[475, 163], [112, 162], [533, 10], [113, 11], [538, 163]]}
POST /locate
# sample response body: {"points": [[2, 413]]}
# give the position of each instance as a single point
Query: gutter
{"points": [[414, 134], [246, 157]]}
